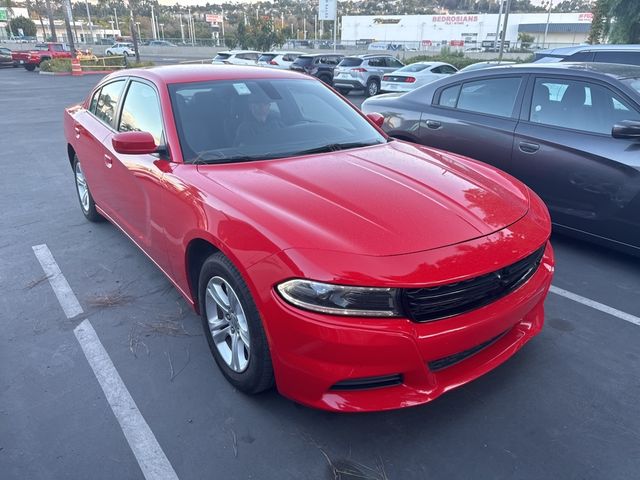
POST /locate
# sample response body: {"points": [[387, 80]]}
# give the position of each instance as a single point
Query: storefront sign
{"points": [[454, 19]]}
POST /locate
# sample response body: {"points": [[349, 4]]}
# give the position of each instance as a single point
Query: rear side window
{"points": [[580, 57], [351, 62], [290, 57], [303, 60], [222, 56], [376, 62], [449, 96], [493, 96], [444, 69], [108, 101], [267, 57], [628, 58], [141, 111], [393, 63]]}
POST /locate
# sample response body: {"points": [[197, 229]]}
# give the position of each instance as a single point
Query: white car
{"points": [[278, 59], [121, 49], [415, 75], [236, 57]]}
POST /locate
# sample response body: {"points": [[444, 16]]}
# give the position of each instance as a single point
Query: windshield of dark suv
{"points": [[259, 119], [303, 61]]}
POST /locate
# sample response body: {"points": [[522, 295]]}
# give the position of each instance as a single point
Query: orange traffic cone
{"points": [[76, 69]]}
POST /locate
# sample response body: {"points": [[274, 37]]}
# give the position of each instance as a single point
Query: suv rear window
{"points": [[350, 62], [267, 57], [303, 60], [222, 56]]}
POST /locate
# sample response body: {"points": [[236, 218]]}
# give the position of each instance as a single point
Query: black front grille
{"points": [[458, 357], [432, 303], [369, 382]]}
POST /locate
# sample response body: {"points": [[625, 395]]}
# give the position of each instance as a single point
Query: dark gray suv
{"points": [[571, 131], [364, 72]]}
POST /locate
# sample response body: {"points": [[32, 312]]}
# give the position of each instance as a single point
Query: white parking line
{"points": [[596, 305], [61, 288], [152, 460], [143, 443]]}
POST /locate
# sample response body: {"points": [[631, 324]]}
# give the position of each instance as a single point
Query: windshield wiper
{"points": [[334, 147]]}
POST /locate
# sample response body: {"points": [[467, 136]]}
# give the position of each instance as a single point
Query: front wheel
{"points": [[233, 326], [87, 205], [30, 67]]}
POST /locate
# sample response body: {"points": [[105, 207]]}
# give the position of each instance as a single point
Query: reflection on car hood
{"points": [[387, 199]]}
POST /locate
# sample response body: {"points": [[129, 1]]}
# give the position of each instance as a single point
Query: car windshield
{"points": [[267, 57], [41, 47], [633, 83], [416, 67], [259, 119]]}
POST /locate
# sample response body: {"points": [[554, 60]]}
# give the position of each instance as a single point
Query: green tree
{"points": [[525, 39], [626, 25], [27, 25], [599, 24]]}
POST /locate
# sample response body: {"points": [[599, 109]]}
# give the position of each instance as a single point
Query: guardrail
{"points": [[101, 63]]}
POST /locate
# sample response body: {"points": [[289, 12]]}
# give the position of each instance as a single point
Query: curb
{"points": [[55, 73], [99, 72]]}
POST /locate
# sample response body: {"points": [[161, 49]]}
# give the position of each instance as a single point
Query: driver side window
{"points": [[141, 111]]}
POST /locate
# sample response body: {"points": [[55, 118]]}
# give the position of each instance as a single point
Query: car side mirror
{"points": [[626, 129], [376, 118], [134, 143]]}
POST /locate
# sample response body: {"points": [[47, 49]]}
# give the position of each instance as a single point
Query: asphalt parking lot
{"points": [[567, 406]]}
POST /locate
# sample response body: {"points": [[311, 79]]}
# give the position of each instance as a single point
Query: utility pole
{"points": [[495, 41], [115, 12], [153, 24], [546, 27], [504, 29], [222, 23], [181, 29], [93, 39], [335, 29]]}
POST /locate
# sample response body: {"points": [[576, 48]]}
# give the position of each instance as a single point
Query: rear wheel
{"points": [[30, 67], [233, 326], [87, 205], [326, 79], [344, 91], [373, 87]]}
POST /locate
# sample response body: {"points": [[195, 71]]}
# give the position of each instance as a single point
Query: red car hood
{"points": [[389, 199]]}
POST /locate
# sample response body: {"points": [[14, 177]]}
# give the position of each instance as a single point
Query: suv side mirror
{"points": [[626, 129], [134, 143]]}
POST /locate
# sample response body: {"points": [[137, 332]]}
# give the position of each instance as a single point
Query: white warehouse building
{"points": [[464, 30]]}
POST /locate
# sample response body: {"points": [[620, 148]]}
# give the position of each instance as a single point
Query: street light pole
{"points": [[115, 13], [162, 30], [154, 33], [89, 19], [495, 42], [546, 27]]}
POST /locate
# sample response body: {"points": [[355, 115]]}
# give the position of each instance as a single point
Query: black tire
{"points": [[344, 91], [373, 87], [326, 79], [90, 211], [258, 374], [30, 67]]}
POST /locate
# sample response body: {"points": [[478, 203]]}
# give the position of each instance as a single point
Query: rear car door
{"points": [[564, 150], [475, 118], [91, 128], [137, 180]]}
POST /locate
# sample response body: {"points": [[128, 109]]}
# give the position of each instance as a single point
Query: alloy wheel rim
{"points": [[83, 190], [228, 324], [373, 89]]}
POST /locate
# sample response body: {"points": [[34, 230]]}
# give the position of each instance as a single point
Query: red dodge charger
{"points": [[353, 271]]}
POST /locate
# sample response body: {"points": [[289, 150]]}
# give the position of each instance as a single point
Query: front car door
{"points": [[475, 118], [564, 150], [138, 179]]}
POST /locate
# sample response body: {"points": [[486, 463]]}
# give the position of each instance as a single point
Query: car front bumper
{"points": [[313, 354]]}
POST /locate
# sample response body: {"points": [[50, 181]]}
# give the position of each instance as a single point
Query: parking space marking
{"points": [[143, 443], [61, 288], [152, 460], [596, 305]]}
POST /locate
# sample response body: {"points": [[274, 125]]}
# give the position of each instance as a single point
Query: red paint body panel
{"points": [[391, 215]]}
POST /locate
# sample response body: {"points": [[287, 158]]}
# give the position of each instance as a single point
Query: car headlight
{"points": [[341, 299]]}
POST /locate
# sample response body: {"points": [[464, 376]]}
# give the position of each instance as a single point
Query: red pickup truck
{"points": [[42, 51]]}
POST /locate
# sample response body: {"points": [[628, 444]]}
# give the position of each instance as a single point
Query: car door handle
{"points": [[108, 161], [527, 147], [433, 125]]}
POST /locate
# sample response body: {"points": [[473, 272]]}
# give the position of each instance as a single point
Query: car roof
{"points": [[168, 74], [614, 70], [235, 52], [282, 52], [566, 51], [331, 54]]}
